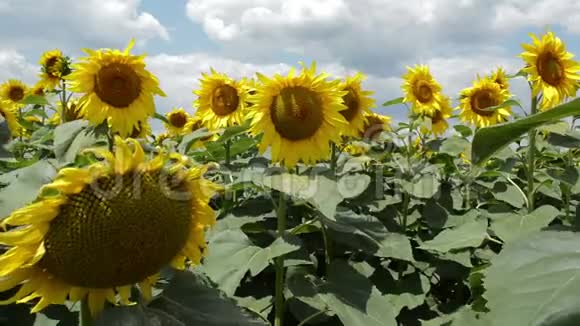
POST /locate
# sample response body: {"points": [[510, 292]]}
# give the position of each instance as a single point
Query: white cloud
{"points": [[38, 25], [14, 65], [511, 14], [372, 34]]}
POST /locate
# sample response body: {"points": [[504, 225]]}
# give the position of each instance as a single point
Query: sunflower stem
{"points": [[327, 246], [333, 158], [63, 101], [279, 306], [227, 146], [86, 318], [531, 156]]}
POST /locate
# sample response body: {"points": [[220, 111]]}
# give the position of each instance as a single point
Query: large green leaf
{"points": [[511, 227], [189, 139], [25, 185], [232, 255], [70, 138], [189, 299], [367, 233], [320, 191], [491, 139], [354, 299], [468, 235], [535, 279]]}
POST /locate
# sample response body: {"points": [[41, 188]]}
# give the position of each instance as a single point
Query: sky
{"points": [[458, 39]]}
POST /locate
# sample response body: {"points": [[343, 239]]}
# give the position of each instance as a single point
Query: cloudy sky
{"points": [[182, 38]]}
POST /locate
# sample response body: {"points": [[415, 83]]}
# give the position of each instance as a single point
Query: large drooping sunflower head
{"points": [[439, 119], [95, 232], [358, 103], [116, 88], [9, 113], [551, 69], [299, 115], [499, 76], [52, 64], [421, 90], [177, 119], [221, 100], [375, 124], [475, 101], [13, 91]]}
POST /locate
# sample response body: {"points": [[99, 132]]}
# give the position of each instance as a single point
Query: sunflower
{"points": [[195, 123], [483, 94], [551, 69], [117, 88], [177, 119], [13, 91], [499, 77], [95, 232], [142, 130], [439, 119], [357, 148], [421, 90], [51, 63], [299, 116], [358, 103], [10, 114], [73, 111], [375, 124], [221, 100], [38, 89]]}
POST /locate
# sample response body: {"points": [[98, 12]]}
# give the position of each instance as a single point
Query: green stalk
{"points": [[86, 319], [531, 157], [63, 101], [228, 146], [333, 158], [279, 302], [327, 246]]}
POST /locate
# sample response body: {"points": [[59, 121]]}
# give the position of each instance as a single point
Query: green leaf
{"points": [[37, 112], [491, 139], [234, 131], [262, 306], [398, 100], [232, 255], [366, 232], [534, 279], [567, 140], [64, 136], [568, 175], [511, 227], [191, 299], [35, 100], [469, 235], [354, 299], [352, 185], [25, 185], [520, 73], [465, 131], [505, 104], [454, 146], [425, 187], [320, 191], [160, 117], [464, 317], [189, 139]]}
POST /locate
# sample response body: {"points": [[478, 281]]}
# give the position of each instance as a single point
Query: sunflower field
{"points": [[288, 200]]}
